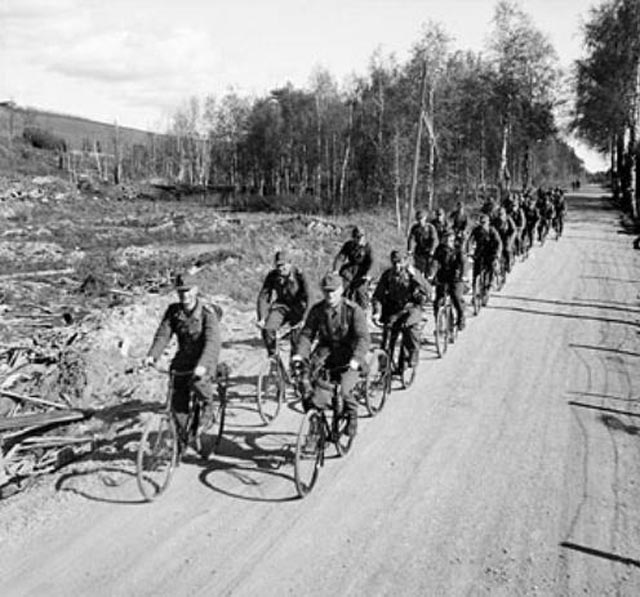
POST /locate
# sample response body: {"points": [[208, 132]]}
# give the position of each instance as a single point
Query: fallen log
{"points": [[46, 272], [39, 401], [41, 419]]}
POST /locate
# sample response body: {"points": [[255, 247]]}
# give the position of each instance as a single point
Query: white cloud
{"points": [[132, 56]]}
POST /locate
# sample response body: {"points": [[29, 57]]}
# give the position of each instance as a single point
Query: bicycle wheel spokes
{"points": [[309, 452], [157, 456], [377, 382], [270, 390]]}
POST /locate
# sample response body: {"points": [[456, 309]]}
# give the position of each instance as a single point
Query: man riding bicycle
{"points": [[459, 222], [283, 299], [354, 262], [197, 329], [422, 242], [546, 212], [448, 274], [520, 220], [398, 299], [506, 228], [531, 222], [560, 210], [339, 329], [440, 223], [487, 249]]}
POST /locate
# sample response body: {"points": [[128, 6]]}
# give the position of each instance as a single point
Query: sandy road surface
{"points": [[511, 468]]}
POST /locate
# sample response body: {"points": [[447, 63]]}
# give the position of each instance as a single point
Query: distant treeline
{"points": [[441, 123], [608, 93]]}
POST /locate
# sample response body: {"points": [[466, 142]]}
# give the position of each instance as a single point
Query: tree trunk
{"points": [[431, 169], [396, 180], [504, 175], [379, 162], [416, 157]]}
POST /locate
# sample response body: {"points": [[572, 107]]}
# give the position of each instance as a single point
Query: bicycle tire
{"points": [[453, 325], [476, 300], [269, 390], [309, 454], [440, 332], [377, 383], [157, 456], [343, 442]]}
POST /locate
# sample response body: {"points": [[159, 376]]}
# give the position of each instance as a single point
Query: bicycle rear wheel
{"points": [[270, 390], [378, 381], [309, 452], [476, 299], [441, 332], [157, 455], [453, 324]]}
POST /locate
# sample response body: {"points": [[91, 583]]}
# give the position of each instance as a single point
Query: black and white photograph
{"points": [[320, 298]]}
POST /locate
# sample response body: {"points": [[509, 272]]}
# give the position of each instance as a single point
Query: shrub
{"points": [[43, 139]]}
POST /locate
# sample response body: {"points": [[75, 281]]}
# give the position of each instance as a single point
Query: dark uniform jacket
{"points": [[487, 243], [423, 238], [441, 228], [518, 217], [397, 290], [531, 213], [459, 221], [506, 229], [448, 265], [341, 334], [354, 260], [290, 291], [198, 337]]}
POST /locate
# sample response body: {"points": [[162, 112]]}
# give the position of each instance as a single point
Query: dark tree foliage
{"points": [[481, 121]]}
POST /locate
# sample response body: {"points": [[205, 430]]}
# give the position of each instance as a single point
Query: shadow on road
{"points": [[600, 554], [608, 279], [255, 455], [587, 305], [627, 353], [604, 409], [565, 315], [104, 474]]}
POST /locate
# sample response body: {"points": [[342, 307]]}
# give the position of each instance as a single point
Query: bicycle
{"points": [[446, 326], [481, 288], [500, 275], [273, 379], [317, 429], [164, 440], [396, 364], [558, 226]]}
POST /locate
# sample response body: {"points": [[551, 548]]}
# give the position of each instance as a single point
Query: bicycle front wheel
{"points": [[441, 332], [157, 456], [378, 382], [309, 452], [270, 391]]}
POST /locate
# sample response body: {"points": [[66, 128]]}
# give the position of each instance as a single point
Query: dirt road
{"points": [[511, 468]]}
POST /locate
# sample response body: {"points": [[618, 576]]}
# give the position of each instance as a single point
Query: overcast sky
{"points": [[136, 60]]}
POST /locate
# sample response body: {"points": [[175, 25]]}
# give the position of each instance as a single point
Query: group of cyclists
{"points": [[333, 334]]}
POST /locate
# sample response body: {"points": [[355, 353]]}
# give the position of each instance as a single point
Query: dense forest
{"points": [[443, 122], [607, 113]]}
